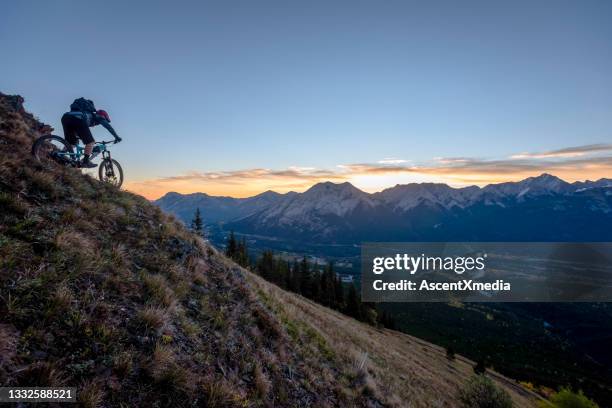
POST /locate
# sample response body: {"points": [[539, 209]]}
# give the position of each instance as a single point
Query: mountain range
{"points": [[542, 208]]}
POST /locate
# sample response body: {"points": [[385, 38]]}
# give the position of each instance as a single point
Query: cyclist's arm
{"points": [[108, 127]]}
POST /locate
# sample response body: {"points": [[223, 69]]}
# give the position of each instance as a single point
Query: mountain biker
{"points": [[77, 122]]}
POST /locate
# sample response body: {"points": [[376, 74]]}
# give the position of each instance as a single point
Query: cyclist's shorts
{"points": [[75, 128]]}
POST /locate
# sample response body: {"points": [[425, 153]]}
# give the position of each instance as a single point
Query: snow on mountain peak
{"points": [[325, 198], [404, 197]]}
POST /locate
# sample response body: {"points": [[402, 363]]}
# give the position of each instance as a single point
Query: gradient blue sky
{"points": [[209, 91]]}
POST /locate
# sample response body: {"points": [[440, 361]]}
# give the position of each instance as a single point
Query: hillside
{"points": [[101, 290]]}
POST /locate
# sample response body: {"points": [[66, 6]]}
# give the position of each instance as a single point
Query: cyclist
{"points": [[77, 122]]}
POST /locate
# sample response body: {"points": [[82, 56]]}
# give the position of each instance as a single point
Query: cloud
{"points": [[237, 183], [481, 171], [483, 166], [573, 163], [452, 160], [392, 160], [566, 152], [238, 176]]}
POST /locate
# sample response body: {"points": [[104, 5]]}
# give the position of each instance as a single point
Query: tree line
{"points": [[320, 284]]}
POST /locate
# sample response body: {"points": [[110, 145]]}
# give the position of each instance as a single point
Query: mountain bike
{"points": [[55, 148]]}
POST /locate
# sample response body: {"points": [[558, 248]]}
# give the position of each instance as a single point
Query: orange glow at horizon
{"points": [[373, 181]]}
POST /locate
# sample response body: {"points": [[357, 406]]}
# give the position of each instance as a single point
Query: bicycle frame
{"points": [[80, 151]]}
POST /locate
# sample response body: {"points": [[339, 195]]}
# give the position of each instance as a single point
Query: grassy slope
{"points": [[101, 290], [397, 365]]}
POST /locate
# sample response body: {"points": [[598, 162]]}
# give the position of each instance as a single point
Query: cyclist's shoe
{"points": [[86, 163]]}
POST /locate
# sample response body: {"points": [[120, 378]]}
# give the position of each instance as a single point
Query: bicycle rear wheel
{"points": [[110, 171], [51, 147]]}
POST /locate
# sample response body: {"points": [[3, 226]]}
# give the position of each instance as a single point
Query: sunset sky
{"points": [[236, 98]]}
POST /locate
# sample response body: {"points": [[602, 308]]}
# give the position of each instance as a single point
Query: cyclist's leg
{"points": [[87, 138], [70, 133]]}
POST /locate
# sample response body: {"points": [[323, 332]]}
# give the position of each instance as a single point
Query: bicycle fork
{"points": [[108, 164]]}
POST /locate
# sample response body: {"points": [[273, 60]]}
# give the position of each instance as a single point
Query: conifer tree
{"points": [[353, 306], [232, 246], [339, 292], [328, 292], [305, 278], [197, 225], [295, 277], [242, 253], [266, 267], [288, 282]]}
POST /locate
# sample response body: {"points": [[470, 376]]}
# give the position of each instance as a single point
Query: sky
{"points": [[238, 97]]}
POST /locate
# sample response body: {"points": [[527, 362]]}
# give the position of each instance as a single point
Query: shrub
{"points": [[480, 392], [480, 367], [566, 398], [450, 353]]}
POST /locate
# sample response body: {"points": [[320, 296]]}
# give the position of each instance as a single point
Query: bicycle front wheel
{"points": [[110, 171]]}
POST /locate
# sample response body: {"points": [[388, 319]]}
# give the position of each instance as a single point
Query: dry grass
{"points": [[91, 394], [262, 384], [43, 182], [119, 256], [62, 299], [8, 344], [166, 371], [76, 243], [43, 374], [13, 204], [158, 289], [152, 318]]}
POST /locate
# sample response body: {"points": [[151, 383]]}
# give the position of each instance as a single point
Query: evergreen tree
{"points": [[242, 254], [295, 277], [266, 267], [450, 352], [288, 277], [197, 225], [353, 306], [328, 293], [339, 292], [282, 273], [386, 320], [305, 278], [315, 285], [232, 246], [480, 367], [369, 313]]}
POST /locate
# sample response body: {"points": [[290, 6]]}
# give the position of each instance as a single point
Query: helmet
{"points": [[104, 114]]}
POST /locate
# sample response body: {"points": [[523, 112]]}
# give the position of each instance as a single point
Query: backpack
{"points": [[83, 105]]}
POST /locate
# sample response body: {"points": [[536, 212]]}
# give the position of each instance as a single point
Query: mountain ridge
{"points": [[534, 208], [602, 182]]}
